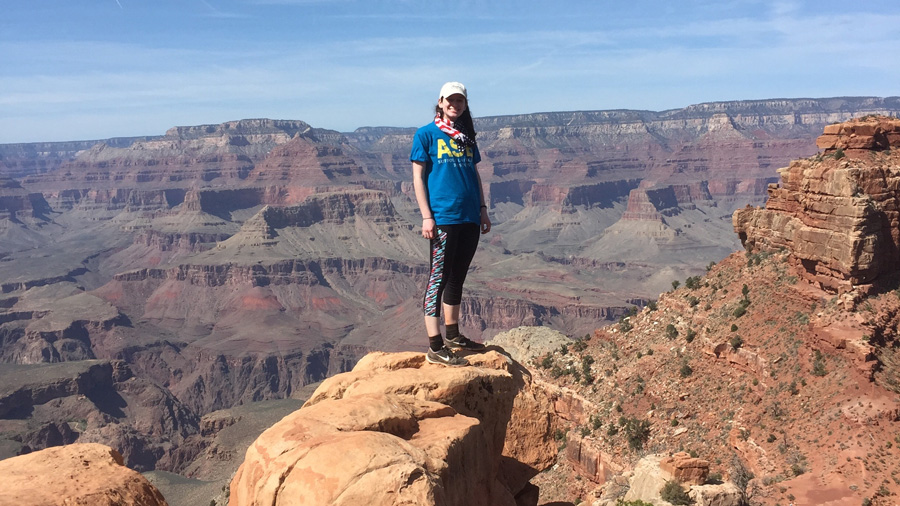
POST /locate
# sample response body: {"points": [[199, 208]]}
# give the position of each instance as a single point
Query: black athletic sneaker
{"points": [[462, 343], [445, 357]]}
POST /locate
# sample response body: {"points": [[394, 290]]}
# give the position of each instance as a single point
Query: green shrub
{"points": [[685, 370], [547, 361], [674, 493], [714, 479], [636, 502], [636, 432], [671, 331], [690, 335], [736, 342], [819, 365]]}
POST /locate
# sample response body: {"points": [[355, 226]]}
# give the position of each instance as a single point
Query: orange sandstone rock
{"points": [[397, 430], [77, 475], [685, 469]]}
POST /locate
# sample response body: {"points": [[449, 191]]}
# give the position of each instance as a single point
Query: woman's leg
{"points": [[457, 268]]}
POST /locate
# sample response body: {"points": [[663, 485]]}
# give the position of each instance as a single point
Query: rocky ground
{"points": [[772, 380]]}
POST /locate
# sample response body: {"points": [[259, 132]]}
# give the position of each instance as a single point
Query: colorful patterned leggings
{"points": [[451, 253]]}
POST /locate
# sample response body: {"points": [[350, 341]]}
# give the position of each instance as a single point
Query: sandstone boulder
{"points": [[397, 430], [525, 344], [685, 469], [76, 475], [724, 494]]}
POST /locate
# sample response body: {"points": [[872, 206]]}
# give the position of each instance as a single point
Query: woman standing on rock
{"points": [[451, 200]]}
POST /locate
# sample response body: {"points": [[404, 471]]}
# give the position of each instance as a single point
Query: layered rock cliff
{"points": [[838, 213]]}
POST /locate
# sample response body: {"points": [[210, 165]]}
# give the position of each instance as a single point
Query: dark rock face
{"points": [[91, 401]]}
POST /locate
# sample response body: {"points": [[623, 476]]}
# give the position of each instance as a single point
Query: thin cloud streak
{"points": [[754, 50]]}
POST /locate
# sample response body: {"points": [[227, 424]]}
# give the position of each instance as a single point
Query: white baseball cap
{"points": [[452, 88]]}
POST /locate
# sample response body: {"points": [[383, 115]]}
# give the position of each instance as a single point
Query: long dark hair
{"points": [[463, 123]]}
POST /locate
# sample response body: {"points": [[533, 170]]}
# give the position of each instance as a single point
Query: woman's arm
{"points": [[485, 219], [429, 226]]}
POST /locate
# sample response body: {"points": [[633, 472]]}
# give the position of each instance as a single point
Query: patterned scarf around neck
{"points": [[453, 130]]}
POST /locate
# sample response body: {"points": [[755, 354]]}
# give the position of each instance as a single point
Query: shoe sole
{"points": [[454, 346], [447, 364]]}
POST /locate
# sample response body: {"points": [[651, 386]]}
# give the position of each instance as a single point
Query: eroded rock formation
{"points": [[397, 430], [837, 213], [76, 475]]}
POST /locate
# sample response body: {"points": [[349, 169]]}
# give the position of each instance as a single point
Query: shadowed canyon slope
{"points": [[238, 262]]}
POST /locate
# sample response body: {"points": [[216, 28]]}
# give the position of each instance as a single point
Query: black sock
{"points": [[453, 331], [436, 342]]}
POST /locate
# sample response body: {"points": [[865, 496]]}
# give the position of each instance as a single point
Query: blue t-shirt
{"points": [[450, 176]]}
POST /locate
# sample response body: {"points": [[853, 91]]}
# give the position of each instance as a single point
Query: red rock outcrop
{"points": [[685, 469], [397, 430], [838, 213], [76, 475]]}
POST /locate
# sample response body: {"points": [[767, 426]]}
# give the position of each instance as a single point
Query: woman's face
{"points": [[453, 106]]}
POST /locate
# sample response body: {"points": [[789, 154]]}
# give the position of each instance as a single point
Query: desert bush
{"points": [[636, 432], [714, 479], [692, 282], [547, 361], [819, 365], [674, 493], [671, 331], [740, 475], [690, 335], [685, 370], [736, 342]]}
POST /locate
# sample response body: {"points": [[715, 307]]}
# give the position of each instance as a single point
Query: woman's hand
{"points": [[485, 221], [429, 228]]}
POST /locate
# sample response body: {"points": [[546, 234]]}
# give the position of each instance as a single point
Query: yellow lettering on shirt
{"points": [[442, 149], [452, 150]]}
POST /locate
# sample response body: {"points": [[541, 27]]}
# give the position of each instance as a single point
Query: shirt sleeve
{"points": [[419, 151]]}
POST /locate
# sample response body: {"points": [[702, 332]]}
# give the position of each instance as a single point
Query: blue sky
{"points": [[93, 69]]}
